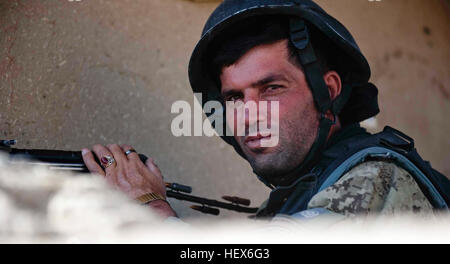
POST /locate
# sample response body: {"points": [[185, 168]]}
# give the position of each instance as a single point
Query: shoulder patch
{"points": [[310, 213]]}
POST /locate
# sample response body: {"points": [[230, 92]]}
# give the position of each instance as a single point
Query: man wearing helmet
{"points": [[294, 53]]}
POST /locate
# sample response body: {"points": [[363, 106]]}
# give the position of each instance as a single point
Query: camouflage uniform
{"points": [[373, 187]]}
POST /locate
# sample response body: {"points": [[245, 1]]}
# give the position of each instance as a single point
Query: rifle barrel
{"points": [[200, 200]]}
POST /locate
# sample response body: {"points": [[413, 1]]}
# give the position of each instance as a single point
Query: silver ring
{"points": [[130, 151]]}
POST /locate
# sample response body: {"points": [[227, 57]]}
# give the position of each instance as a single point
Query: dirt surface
{"points": [[76, 73]]}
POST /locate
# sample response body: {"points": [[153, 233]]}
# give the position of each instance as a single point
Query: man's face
{"points": [[265, 73]]}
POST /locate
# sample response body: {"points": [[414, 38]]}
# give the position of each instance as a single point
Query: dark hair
{"points": [[235, 41]]}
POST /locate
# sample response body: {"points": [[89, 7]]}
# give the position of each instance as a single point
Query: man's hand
{"points": [[129, 174]]}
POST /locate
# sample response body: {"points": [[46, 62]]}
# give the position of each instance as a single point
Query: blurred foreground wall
{"points": [[76, 73]]}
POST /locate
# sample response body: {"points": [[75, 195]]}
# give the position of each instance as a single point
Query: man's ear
{"points": [[333, 81]]}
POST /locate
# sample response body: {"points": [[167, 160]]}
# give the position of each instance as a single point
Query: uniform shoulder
{"points": [[373, 187]]}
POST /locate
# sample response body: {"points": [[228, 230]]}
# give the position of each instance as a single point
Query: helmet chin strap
{"points": [[300, 38]]}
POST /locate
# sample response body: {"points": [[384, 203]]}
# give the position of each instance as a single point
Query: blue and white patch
{"points": [[311, 213]]}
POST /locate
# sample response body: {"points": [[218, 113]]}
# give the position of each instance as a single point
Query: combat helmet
{"points": [[358, 99]]}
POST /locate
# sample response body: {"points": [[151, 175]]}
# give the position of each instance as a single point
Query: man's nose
{"points": [[253, 115]]}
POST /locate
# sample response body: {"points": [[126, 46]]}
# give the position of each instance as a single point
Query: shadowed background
{"points": [[76, 73]]}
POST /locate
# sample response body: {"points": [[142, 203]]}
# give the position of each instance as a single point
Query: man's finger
{"points": [[150, 163], [91, 164], [118, 153], [101, 152], [132, 155]]}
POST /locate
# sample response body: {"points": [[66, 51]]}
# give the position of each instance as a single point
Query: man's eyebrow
{"points": [[268, 79]]}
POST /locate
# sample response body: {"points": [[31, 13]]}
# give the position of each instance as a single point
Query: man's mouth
{"points": [[254, 142]]}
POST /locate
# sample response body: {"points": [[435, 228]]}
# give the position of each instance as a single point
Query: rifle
{"points": [[73, 161]]}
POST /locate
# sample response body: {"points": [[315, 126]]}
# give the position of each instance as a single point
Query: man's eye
{"points": [[272, 88], [233, 98]]}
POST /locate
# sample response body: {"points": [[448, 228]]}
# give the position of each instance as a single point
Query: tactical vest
{"points": [[389, 145]]}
